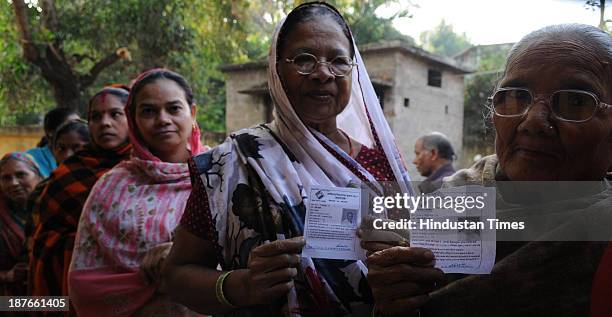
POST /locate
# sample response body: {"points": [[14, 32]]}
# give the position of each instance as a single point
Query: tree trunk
{"points": [[67, 94], [602, 8], [67, 84]]}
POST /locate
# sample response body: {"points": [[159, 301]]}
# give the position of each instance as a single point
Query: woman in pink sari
{"points": [[126, 228]]}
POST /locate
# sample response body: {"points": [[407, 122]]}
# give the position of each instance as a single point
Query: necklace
{"points": [[350, 144]]}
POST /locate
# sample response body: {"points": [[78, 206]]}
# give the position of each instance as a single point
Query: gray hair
{"points": [[595, 44], [439, 142]]}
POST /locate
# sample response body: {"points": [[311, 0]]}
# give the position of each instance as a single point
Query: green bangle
{"points": [[219, 291]]}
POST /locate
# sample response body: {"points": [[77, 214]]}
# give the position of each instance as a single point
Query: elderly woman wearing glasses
{"points": [[247, 207], [553, 122]]}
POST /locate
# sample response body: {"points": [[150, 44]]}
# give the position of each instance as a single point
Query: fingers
{"points": [[152, 263], [402, 290], [276, 291], [267, 280], [400, 307], [387, 236], [293, 245], [145, 275], [272, 263], [373, 246], [404, 272], [395, 255], [145, 268]]}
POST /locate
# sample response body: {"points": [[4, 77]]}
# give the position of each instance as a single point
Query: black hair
{"points": [[55, 117], [121, 92], [80, 127], [307, 12], [440, 142], [154, 75]]}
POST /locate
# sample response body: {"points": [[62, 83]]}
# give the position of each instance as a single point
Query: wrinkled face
{"points": [[107, 122], [422, 159], [320, 96], [163, 117], [539, 146], [66, 145], [17, 181]]}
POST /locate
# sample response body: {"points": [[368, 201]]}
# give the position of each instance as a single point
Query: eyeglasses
{"points": [[567, 105], [306, 64]]}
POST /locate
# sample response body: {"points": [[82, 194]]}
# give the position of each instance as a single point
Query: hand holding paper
{"points": [[272, 267], [401, 278]]}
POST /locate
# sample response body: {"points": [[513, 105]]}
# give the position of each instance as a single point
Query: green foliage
{"points": [[193, 38], [477, 128], [367, 27], [444, 41], [492, 61], [476, 116], [19, 78]]}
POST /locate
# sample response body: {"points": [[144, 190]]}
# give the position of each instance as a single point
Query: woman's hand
{"points": [[271, 269], [152, 263], [373, 240], [401, 279]]}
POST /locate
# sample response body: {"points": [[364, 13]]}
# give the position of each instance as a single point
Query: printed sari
{"points": [[131, 209], [254, 187]]}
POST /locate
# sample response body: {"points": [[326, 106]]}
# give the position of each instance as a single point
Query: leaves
{"points": [[444, 41], [193, 38]]}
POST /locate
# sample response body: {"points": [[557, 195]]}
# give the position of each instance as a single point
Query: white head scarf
{"points": [[354, 120]]}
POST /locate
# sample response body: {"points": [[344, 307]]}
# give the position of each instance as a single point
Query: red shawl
{"points": [[60, 206]]}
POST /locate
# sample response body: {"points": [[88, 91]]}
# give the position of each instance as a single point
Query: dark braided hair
{"points": [[308, 12]]}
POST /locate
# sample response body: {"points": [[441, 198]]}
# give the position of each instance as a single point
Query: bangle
{"points": [[219, 291]]}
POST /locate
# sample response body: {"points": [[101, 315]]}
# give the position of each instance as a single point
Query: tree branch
{"points": [[50, 15], [88, 79], [30, 52]]}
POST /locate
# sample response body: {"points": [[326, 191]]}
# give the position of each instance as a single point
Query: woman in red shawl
{"points": [[62, 200], [18, 177]]}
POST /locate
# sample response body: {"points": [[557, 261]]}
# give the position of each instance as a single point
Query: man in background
{"points": [[433, 157]]}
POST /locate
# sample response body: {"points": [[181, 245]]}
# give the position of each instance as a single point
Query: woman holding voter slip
{"points": [[553, 121], [247, 208]]}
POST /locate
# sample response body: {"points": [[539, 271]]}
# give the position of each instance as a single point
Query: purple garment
{"points": [[434, 181]]}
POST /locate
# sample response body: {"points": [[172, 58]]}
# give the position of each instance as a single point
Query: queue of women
{"points": [[140, 219]]}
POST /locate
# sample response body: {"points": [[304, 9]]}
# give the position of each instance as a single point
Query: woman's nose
{"points": [[163, 118], [106, 121], [69, 153], [538, 121], [13, 181], [322, 72]]}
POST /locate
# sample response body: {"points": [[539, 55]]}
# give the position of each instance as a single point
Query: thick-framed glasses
{"points": [[306, 64], [567, 105]]}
